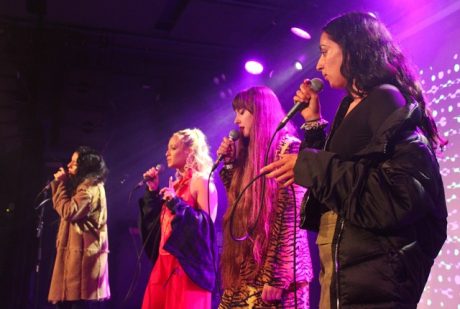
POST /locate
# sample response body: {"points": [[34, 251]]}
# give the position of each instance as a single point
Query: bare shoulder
{"points": [[200, 182]]}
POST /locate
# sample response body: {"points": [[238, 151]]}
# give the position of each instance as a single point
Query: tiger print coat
{"points": [[278, 263]]}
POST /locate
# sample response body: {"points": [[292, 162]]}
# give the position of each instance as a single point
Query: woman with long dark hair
{"points": [[80, 275], [374, 188], [259, 271]]}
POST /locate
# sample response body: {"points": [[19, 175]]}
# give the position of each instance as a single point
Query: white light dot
{"points": [[433, 78], [440, 279], [441, 75], [450, 108], [456, 67], [421, 72], [434, 113], [457, 279], [456, 250]]}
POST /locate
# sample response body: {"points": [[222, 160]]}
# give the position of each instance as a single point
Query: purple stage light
{"points": [[301, 33], [253, 67]]}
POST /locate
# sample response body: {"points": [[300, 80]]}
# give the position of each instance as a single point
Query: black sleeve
{"points": [[314, 139], [380, 196], [149, 223]]}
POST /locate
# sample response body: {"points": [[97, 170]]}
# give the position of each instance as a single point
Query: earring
{"points": [[190, 162]]}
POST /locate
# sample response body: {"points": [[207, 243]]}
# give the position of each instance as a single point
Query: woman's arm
{"points": [[389, 195], [71, 208]]}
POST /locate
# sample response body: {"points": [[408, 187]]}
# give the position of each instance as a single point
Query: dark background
{"points": [[122, 76]]}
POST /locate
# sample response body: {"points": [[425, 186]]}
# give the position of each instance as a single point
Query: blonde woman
{"points": [[177, 227]]}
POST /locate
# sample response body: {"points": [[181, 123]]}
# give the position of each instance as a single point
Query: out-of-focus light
{"points": [[301, 33], [372, 14], [253, 67], [298, 65]]}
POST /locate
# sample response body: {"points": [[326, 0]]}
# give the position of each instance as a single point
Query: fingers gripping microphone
{"points": [[316, 84], [234, 135], [159, 167]]}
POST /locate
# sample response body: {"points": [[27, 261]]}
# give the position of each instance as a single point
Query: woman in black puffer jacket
{"points": [[375, 193]]}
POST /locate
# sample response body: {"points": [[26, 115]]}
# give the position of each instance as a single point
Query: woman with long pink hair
{"points": [[258, 270]]}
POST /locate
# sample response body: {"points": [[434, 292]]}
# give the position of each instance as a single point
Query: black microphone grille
{"points": [[160, 168], [316, 84], [234, 135]]}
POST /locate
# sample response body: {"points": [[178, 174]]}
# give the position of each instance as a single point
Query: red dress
{"points": [[169, 286]]}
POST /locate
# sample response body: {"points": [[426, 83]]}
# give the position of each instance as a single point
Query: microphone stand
{"points": [[39, 233]]}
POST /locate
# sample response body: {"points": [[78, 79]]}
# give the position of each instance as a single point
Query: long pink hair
{"points": [[266, 109]]}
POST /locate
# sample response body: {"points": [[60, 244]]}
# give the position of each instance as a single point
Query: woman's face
{"points": [[244, 120], [330, 61], [72, 165], [177, 153]]}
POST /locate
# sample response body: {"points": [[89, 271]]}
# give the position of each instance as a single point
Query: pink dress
{"points": [[169, 286]]}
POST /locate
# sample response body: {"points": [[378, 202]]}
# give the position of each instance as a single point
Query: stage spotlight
{"points": [[253, 67], [372, 14], [298, 65], [301, 33]]}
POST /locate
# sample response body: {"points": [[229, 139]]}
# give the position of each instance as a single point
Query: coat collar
{"points": [[408, 115]]}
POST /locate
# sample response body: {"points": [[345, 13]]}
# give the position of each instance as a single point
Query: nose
{"points": [[237, 120], [319, 64]]}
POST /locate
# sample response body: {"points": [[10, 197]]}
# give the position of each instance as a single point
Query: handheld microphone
{"points": [[47, 187], [159, 167], [234, 135], [316, 84]]}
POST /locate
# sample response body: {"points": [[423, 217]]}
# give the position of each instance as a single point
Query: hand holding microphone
{"points": [[306, 100], [60, 175], [308, 92], [150, 177], [227, 149]]}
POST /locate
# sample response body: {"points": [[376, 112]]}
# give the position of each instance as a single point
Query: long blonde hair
{"points": [[198, 161], [266, 109]]}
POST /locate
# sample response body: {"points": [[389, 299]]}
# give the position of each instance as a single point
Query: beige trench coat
{"points": [[80, 269]]}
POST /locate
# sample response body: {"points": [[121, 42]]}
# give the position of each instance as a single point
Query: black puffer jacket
{"points": [[391, 213]]}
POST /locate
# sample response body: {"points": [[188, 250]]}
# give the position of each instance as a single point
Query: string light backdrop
{"points": [[442, 88]]}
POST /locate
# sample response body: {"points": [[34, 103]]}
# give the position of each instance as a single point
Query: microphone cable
{"points": [[214, 257], [135, 278]]}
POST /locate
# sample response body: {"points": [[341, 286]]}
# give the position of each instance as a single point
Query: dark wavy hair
{"points": [[90, 166], [371, 57]]}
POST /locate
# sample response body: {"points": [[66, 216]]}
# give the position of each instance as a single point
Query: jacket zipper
{"points": [[336, 261]]}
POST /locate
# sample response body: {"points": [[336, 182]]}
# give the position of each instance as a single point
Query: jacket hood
{"points": [[406, 116]]}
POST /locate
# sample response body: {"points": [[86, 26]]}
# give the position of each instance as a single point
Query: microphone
{"points": [[316, 84], [159, 167], [234, 135]]}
